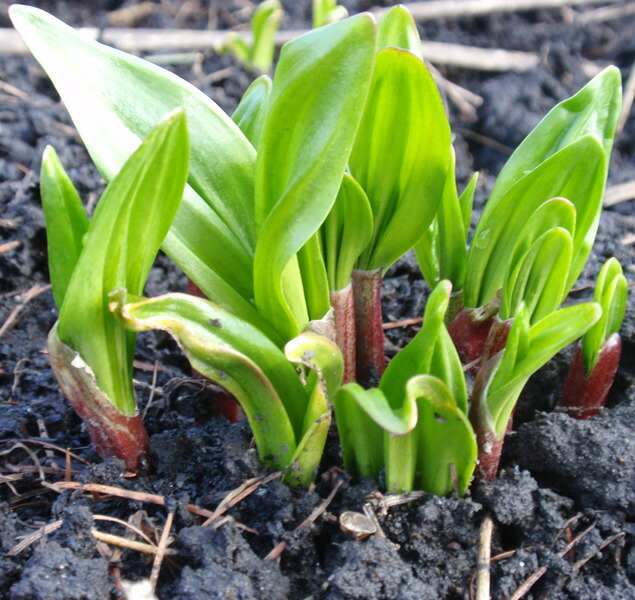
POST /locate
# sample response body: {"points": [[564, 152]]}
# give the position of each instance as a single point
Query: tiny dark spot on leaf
{"points": [[215, 322], [438, 418]]}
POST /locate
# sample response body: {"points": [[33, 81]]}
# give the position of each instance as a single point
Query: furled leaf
{"points": [[576, 173], [252, 110], [327, 11], [303, 150], [611, 290], [121, 243], [66, 222], [264, 25], [346, 232], [442, 252], [238, 46], [539, 278], [362, 440], [416, 357], [401, 155], [115, 99], [565, 155], [593, 111], [427, 254], [324, 359], [446, 441], [541, 343], [232, 353]]}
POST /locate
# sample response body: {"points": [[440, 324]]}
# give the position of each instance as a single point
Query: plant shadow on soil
{"points": [[559, 477]]}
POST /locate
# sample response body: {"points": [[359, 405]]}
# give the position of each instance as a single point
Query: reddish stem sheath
{"points": [[583, 395], [111, 432], [489, 445], [497, 337], [470, 328], [343, 304], [369, 331]]}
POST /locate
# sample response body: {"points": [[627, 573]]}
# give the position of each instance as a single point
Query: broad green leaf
{"points": [[611, 291], [593, 111], [416, 357], [560, 152], [252, 110], [346, 232], [122, 240], [66, 222], [115, 99], [397, 29], [264, 24], [401, 155], [576, 173], [230, 352], [539, 278], [446, 440], [303, 150], [218, 327], [545, 339]]}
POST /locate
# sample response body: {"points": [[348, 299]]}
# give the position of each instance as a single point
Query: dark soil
{"points": [[561, 481]]}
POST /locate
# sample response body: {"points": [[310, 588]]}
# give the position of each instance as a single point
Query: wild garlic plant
{"points": [[292, 212], [258, 51], [597, 357]]}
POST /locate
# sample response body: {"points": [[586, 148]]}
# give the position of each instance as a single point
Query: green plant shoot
{"points": [[289, 419], [327, 11], [258, 53], [89, 351]]}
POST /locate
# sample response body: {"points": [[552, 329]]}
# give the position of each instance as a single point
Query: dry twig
{"points": [[9, 246], [34, 537], [241, 492], [607, 13], [442, 9], [129, 526], [403, 323], [109, 490], [167, 40], [627, 102], [620, 192], [161, 550], [32, 293], [534, 577], [116, 540], [321, 507], [484, 559]]}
